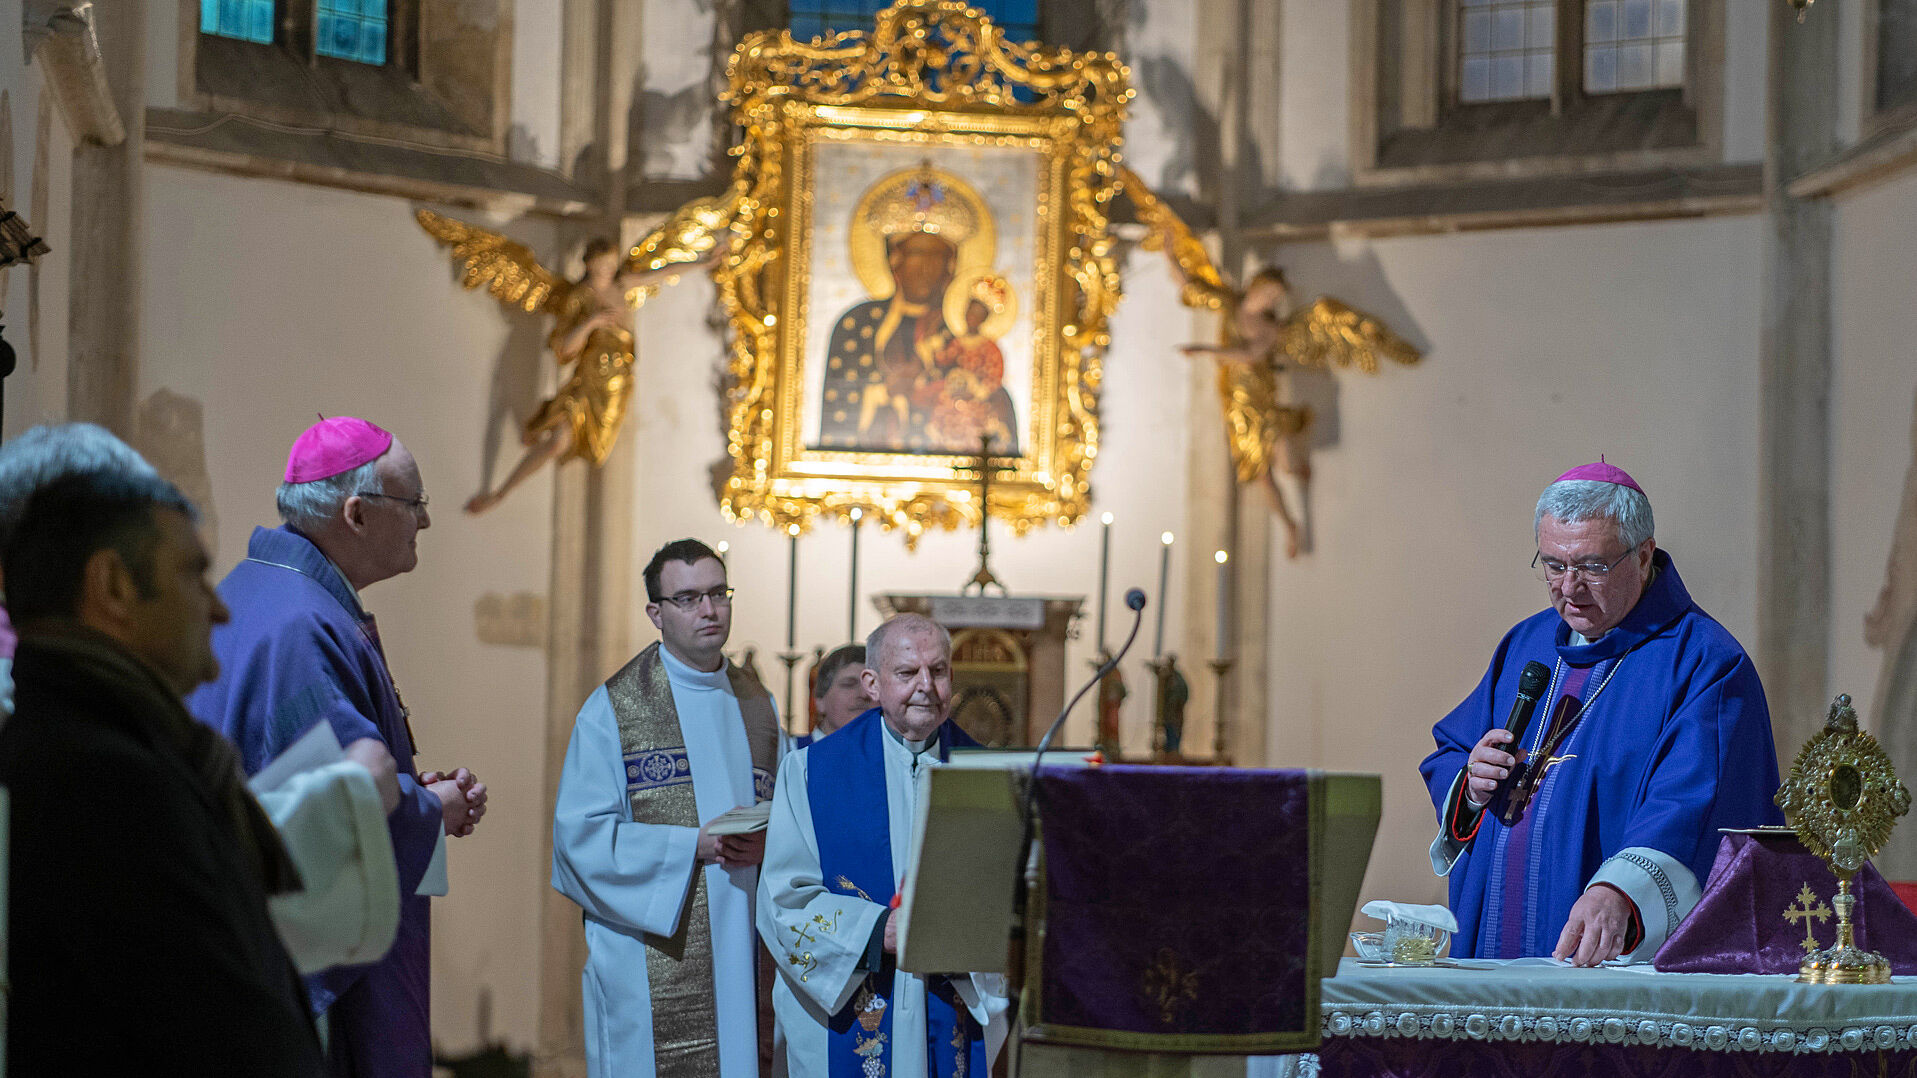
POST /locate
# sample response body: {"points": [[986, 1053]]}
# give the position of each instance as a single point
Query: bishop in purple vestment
{"points": [[1590, 839], [301, 649]]}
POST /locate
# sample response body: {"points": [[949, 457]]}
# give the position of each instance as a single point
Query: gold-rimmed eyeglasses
{"points": [[417, 505]]}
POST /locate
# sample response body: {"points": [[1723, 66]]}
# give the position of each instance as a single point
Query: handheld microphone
{"points": [[1531, 684], [1135, 602]]}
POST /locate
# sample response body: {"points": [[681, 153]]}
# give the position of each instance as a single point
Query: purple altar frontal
{"points": [[1182, 909], [1533, 1016]]}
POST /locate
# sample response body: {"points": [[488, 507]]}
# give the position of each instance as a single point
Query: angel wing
{"points": [[1331, 333], [1203, 286], [689, 236], [508, 269]]}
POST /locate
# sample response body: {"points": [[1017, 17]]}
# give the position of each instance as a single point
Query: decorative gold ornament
{"points": [[1844, 798], [936, 87], [1260, 338], [592, 326]]}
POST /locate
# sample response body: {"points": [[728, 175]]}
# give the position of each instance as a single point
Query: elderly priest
{"points": [[1589, 840], [837, 851]]}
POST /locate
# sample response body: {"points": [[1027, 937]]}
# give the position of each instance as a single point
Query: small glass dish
{"points": [[1369, 945]]}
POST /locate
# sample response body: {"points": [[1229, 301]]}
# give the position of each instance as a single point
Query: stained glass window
{"points": [[809, 19], [247, 20], [1633, 45], [351, 30], [1506, 49]]}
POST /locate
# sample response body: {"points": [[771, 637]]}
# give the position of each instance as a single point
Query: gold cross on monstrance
{"points": [[986, 466]]}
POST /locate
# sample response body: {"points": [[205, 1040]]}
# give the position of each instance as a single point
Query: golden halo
{"points": [[958, 295], [868, 247]]}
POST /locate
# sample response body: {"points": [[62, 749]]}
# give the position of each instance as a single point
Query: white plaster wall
{"points": [[36, 391], [1874, 377], [677, 107], [163, 18], [1315, 94], [1548, 347], [537, 28], [1746, 39], [268, 302], [1850, 70], [1167, 126], [1139, 478]]}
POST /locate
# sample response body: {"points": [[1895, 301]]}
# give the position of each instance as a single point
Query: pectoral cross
{"points": [[987, 465], [1807, 913], [1528, 786]]}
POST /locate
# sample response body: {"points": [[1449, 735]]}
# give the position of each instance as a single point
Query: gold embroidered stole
{"points": [[685, 1025]]}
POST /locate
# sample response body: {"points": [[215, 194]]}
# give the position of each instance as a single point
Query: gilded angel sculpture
{"points": [[592, 325], [1262, 335]]}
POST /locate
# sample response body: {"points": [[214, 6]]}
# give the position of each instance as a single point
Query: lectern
{"points": [[1171, 911]]}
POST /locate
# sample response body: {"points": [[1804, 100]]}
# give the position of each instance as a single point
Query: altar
{"points": [[1533, 1016]]}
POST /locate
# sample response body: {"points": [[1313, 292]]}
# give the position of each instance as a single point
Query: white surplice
{"points": [[800, 916], [632, 878]]}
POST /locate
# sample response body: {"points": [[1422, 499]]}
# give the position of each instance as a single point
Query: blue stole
{"points": [[846, 789]]}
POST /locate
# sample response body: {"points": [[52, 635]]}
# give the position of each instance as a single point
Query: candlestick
{"points": [[792, 587], [852, 590], [1223, 635], [1164, 585], [1104, 574], [1221, 668]]}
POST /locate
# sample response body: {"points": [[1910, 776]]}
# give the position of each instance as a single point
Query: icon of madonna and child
{"points": [[917, 367]]}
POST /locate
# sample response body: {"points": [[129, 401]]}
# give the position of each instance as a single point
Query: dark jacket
{"points": [[139, 935]]}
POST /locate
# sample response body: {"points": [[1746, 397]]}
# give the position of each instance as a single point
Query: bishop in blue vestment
{"points": [[1651, 734]]}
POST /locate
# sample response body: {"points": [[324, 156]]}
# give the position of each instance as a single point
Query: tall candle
{"points": [[1104, 573], [1164, 584], [852, 596], [792, 588], [1224, 605]]}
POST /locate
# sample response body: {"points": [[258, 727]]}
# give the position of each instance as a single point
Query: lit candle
{"points": [[1164, 584], [792, 588], [1104, 573], [723, 547], [852, 598], [1224, 604]]}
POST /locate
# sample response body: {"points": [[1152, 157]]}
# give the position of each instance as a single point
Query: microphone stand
{"points": [[1015, 973]]}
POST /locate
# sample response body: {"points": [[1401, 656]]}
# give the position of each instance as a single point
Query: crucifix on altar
{"points": [[986, 467]]}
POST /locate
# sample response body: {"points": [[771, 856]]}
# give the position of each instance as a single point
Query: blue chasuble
{"points": [[1677, 745], [301, 650], [846, 792]]}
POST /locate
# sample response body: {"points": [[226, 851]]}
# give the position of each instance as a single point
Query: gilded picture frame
{"points": [[891, 185]]}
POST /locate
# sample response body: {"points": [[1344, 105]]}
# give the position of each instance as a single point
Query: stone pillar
{"points": [[593, 563], [103, 312], [1793, 512]]}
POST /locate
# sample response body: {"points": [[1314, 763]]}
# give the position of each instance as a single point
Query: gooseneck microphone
{"points": [[1531, 684], [1135, 602]]}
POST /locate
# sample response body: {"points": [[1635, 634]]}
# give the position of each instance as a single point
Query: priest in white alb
{"points": [[836, 851], [671, 742]]}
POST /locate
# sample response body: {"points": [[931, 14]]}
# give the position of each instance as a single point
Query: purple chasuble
{"points": [[300, 649], [1677, 746]]}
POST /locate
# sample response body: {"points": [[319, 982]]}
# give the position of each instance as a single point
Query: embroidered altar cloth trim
{"points": [[1720, 1012]]}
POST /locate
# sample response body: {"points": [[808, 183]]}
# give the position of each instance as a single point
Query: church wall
{"points": [[37, 390], [266, 302], [1171, 130], [536, 82], [1546, 348], [1874, 376], [1315, 96]]}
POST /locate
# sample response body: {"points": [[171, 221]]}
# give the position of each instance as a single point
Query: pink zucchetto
{"points": [[1600, 472], [332, 446]]}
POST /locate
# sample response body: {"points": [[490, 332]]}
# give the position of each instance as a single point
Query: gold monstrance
{"points": [[1843, 797]]}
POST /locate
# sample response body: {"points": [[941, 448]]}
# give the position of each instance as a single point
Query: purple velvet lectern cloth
{"points": [[1752, 917], [1176, 910]]}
